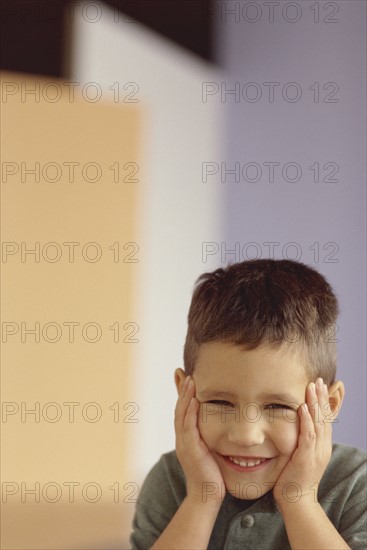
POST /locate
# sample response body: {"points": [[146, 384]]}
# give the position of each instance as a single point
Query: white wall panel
{"points": [[177, 211]]}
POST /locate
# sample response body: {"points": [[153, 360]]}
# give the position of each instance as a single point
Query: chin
{"points": [[246, 491]]}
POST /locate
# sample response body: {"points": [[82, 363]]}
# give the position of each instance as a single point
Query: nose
{"points": [[246, 432]]}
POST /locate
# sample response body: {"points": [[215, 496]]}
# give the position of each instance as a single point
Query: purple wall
{"points": [[298, 99]]}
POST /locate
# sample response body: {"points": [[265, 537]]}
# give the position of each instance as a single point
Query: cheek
{"points": [[210, 427], [285, 437]]}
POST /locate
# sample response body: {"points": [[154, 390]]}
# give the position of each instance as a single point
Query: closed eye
{"points": [[220, 402], [273, 406], [277, 406]]}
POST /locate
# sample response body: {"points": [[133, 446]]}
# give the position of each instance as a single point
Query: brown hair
{"points": [[266, 303]]}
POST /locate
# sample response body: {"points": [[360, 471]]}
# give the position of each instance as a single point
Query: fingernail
{"points": [[320, 382], [313, 387]]}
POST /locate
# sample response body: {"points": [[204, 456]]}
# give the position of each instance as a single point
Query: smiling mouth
{"points": [[243, 461], [246, 461]]}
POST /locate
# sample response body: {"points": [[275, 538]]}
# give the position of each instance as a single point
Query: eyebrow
{"points": [[217, 393], [285, 397], [288, 398]]}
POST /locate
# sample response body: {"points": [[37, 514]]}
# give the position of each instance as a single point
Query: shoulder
{"points": [[343, 493], [165, 482], [347, 466], [344, 480], [160, 496], [347, 461], [354, 453]]}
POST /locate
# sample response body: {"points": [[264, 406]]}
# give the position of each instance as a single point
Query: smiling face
{"points": [[248, 412]]}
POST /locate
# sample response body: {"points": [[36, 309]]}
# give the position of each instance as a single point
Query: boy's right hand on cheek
{"points": [[204, 480]]}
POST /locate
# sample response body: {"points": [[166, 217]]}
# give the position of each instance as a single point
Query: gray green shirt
{"points": [[256, 524]]}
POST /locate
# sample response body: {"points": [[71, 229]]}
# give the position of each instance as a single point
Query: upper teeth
{"points": [[245, 462]]}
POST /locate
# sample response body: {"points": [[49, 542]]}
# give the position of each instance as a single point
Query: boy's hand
{"points": [[300, 478], [198, 464]]}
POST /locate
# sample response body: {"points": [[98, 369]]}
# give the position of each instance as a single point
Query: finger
{"points": [[182, 391], [327, 409], [307, 434], [324, 408], [312, 402], [317, 398], [189, 437], [322, 428], [321, 399], [190, 422], [324, 438], [323, 402], [185, 386], [322, 396], [182, 403], [182, 407]]}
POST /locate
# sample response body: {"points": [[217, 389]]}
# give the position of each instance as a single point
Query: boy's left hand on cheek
{"points": [[300, 478]]}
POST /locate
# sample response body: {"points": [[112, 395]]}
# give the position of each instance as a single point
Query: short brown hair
{"points": [[266, 303]]}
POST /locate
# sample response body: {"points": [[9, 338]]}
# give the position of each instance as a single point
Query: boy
{"points": [[254, 465]]}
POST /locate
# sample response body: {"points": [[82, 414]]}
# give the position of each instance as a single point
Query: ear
{"points": [[180, 377], [336, 396]]}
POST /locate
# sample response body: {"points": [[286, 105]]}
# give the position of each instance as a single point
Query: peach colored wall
{"points": [[54, 290]]}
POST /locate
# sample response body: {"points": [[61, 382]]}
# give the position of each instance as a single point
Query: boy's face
{"points": [[248, 412]]}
